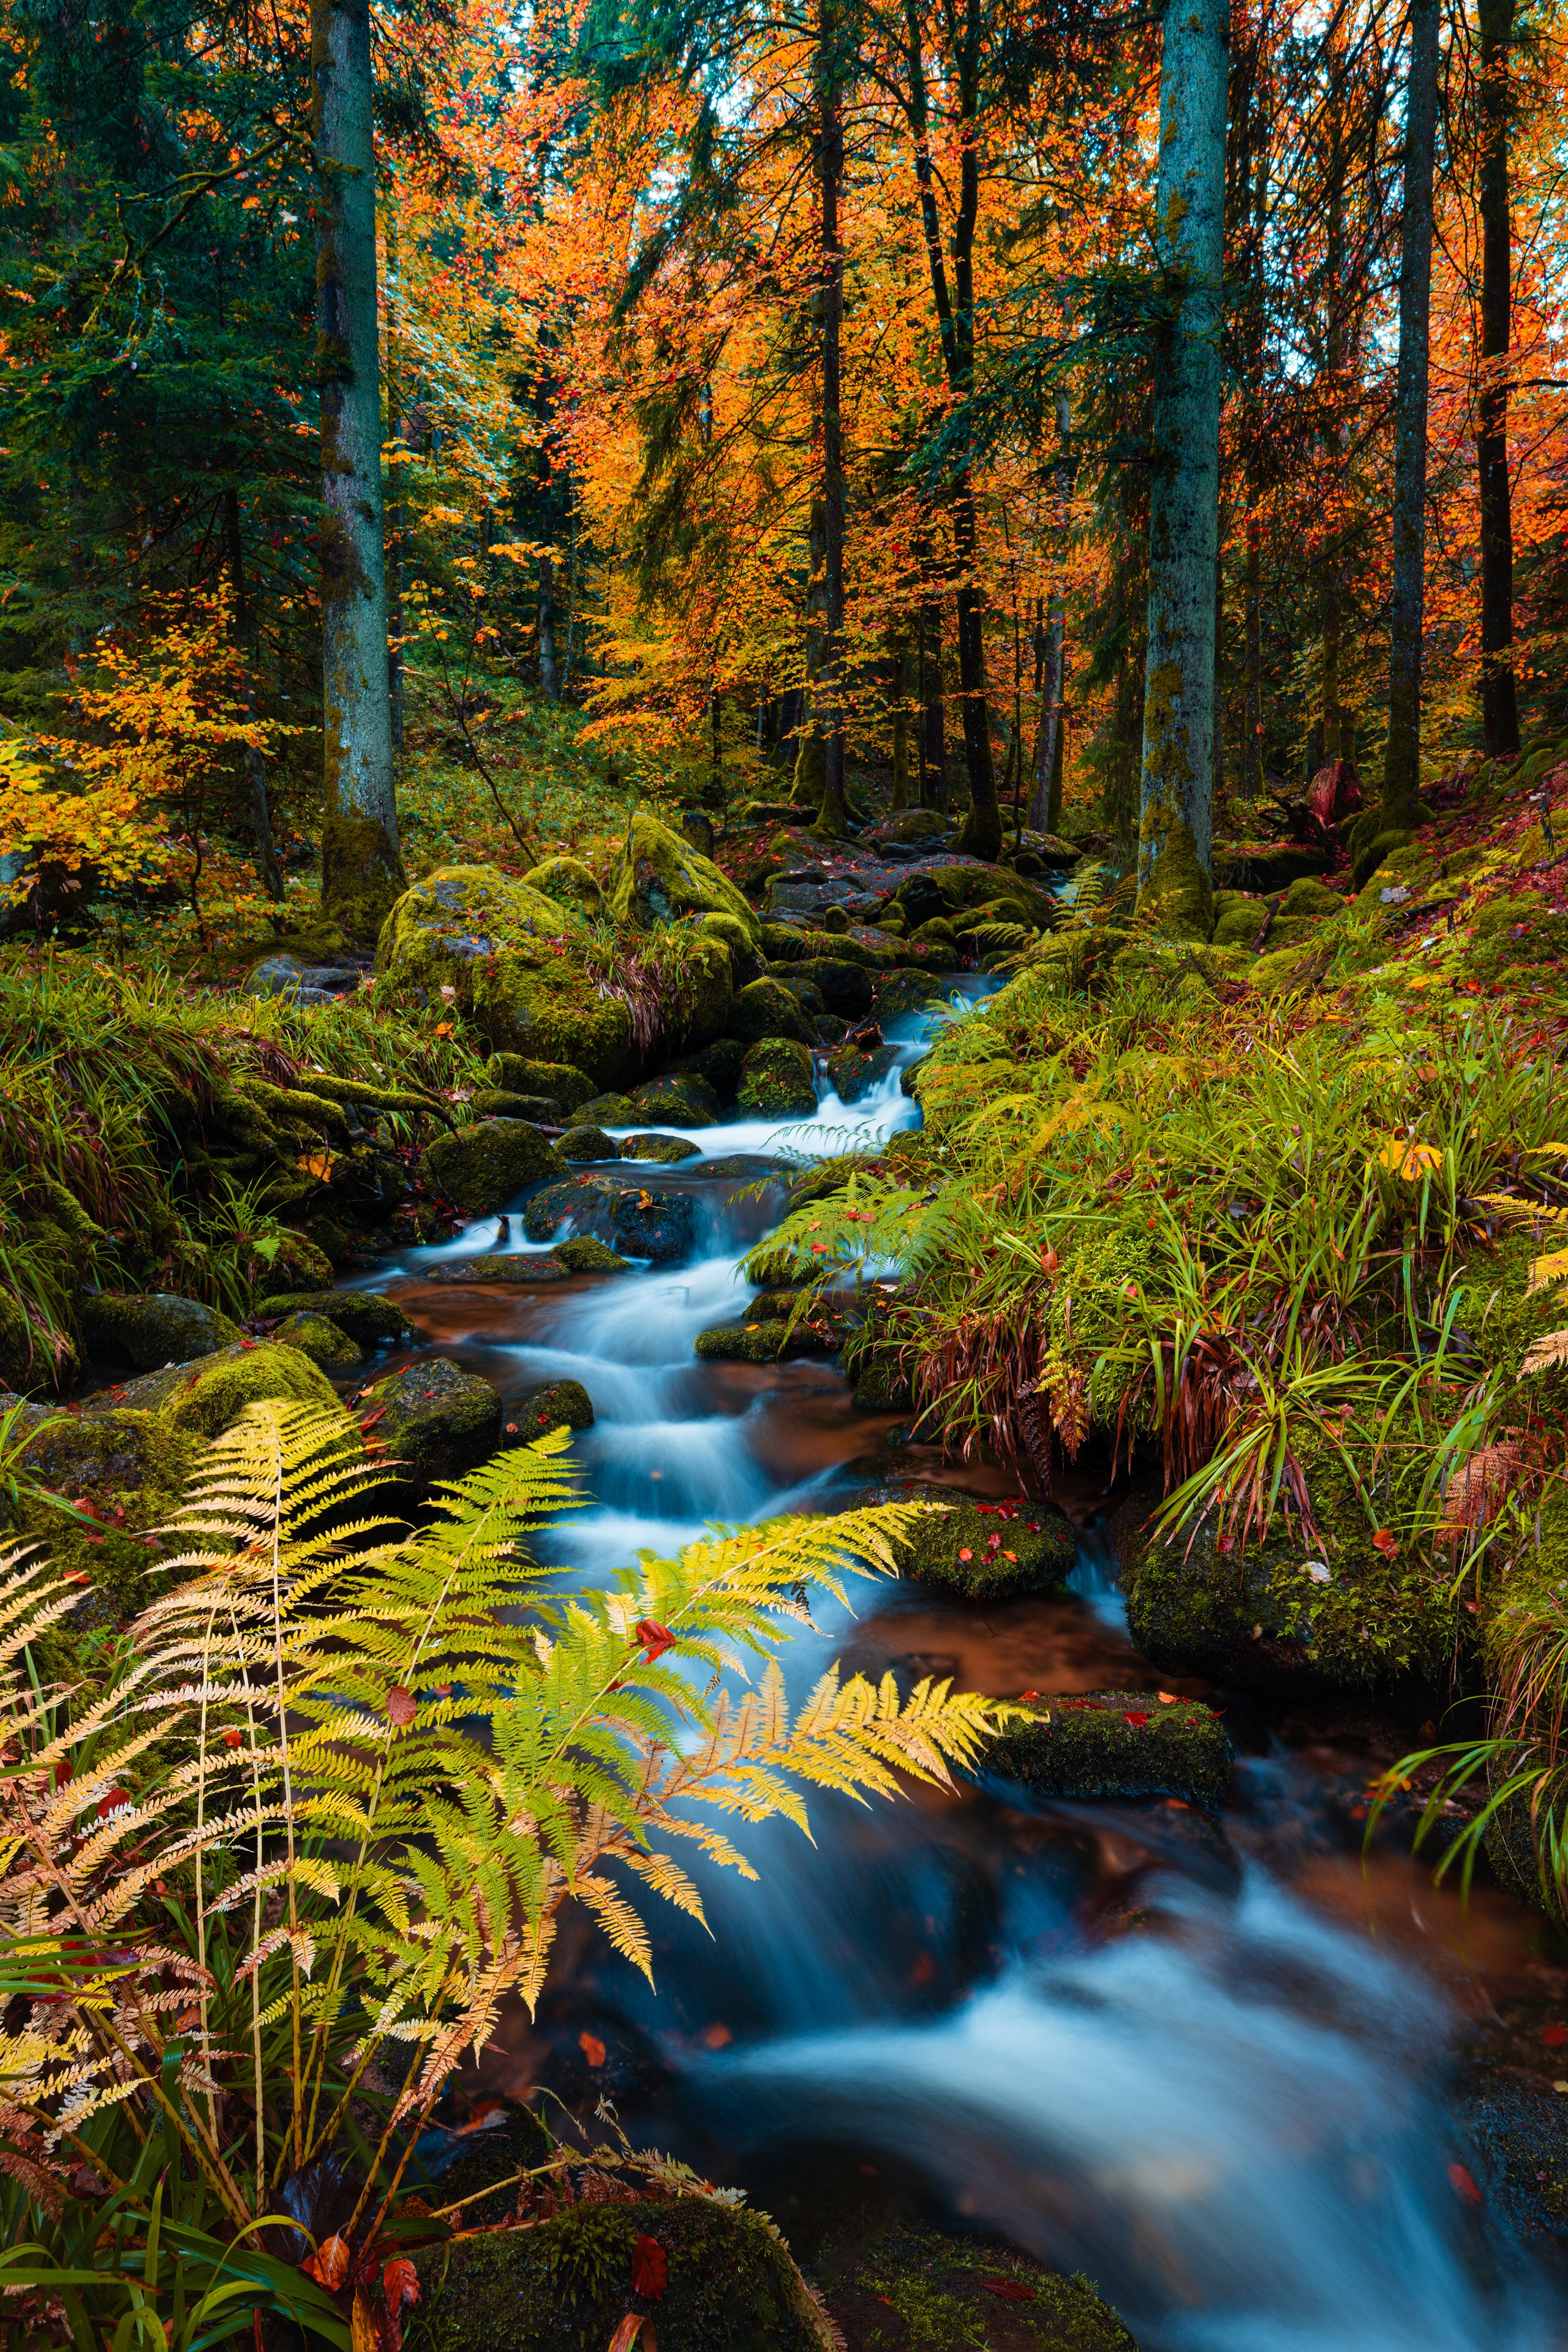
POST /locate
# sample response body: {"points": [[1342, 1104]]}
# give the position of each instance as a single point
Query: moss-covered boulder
{"points": [[559, 1404], [778, 1080], [302, 1263], [588, 1143], [204, 1397], [849, 989], [762, 1342], [146, 1329], [556, 1080], [910, 991], [1117, 1744], [499, 1102], [661, 1226], [368, 1318], [609, 1110], [571, 884], [514, 962], [909, 2287], [855, 1070], [1309, 900], [764, 1008], [434, 1419], [679, 1099], [582, 1254], [484, 1167], [667, 1150], [881, 1382], [982, 1549], [517, 1266], [582, 1206], [661, 877], [128, 1469], [325, 1343], [564, 2285], [717, 1064]]}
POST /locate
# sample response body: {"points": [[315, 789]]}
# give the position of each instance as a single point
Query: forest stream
{"points": [[1211, 2064]]}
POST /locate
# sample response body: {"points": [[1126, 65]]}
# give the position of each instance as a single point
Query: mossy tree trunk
{"points": [[1176, 813], [361, 871], [1499, 703], [1045, 803], [1402, 757], [810, 762], [831, 816], [933, 709], [901, 664]]}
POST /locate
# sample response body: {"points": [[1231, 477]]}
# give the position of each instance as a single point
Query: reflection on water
{"points": [[1202, 2063]]}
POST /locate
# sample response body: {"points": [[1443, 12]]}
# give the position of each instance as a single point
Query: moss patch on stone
{"points": [[131, 1468], [484, 1167], [764, 1008], [559, 1404], [679, 1099], [584, 1255], [588, 1143], [147, 1330], [436, 1420], [911, 2288], [982, 1549], [372, 1320], [499, 1102], [852, 1072], [324, 1342], [556, 1080], [667, 1150], [778, 1080], [609, 1110], [765, 1342], [661, 877], [1117, 1744], [513, 1267], [571, 884], [204, 1397]]}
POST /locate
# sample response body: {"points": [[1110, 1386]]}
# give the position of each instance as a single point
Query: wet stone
{"points": [[515, 1266], [588, 1143], [584, 1254], [668, 1149], [434, 1419], [368, 1318], [1129, 1744], [559, 1404]]}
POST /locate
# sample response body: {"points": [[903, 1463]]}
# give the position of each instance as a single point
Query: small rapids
{"points": [[1186, 2058]]}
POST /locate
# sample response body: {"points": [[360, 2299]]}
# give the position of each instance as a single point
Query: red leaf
{"points": [[1554, 2036], [1137, 1721], [650, 2271], [591, 2046], [106, 1804], [1385, 1543], [400, 1707], [400, 2284], [1010, 2290], [231, 1737], [1463, 2184], [966, 1555], [329, 2265], [654, 1639]]}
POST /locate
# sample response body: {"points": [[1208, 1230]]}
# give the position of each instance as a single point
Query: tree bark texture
{"points": [[361, 871], [1401, 756], [245, 629], [900, 649], [1176, 814], [1499, 702], [933, 709], [1048, 750], [831, 818]]}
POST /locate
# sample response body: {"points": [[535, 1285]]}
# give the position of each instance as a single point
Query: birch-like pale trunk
{"points": [[1176, 814], [1402, 758], [361, 871]]}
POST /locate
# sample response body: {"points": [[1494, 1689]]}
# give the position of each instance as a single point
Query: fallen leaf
{"points": [[400, 1706], [625, 2335], [329, 2265], [231, 1737], [591, 2046], [400, 2284], [966, 1555], [650, 2270], [1137, 1721], [1166, 1698], [1010, 2290], [1385, 1543], [1554, 2036], [715, 2037], [1464, 2184]]}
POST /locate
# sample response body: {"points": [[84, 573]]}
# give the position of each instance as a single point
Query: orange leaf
{"points": [[591, 2046], [400, 1706], [329, 2265]]}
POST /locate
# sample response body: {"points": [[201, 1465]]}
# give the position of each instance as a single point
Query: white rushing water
{"points": [[1233, 2121]]}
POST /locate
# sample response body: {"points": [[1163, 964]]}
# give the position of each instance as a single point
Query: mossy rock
{"points": [[556, 1080], [805, 992], [667, 1150], [936, 932], [324, 1342], [853, 1073], [680, 1098], [1518, 2124], [582, 1204], [1502, 914], [559, 1404], [563, 2285], [661, 1226], [588, 1143], [765, 1342], [849, 989], [515, 961], [909, 991], [206, 1396], [571, 884], [1042, 1546], [881, 1385], [150, 1329], [435, 1419], [1309, 900], [609, 1110], [371, 1320], [130, 1467], [781, 943], [717, 1064], [912, 2288], [484, 1167], [764, 1009], [515, 1266], [778, 1080], [584, 1254], [1370, 850], [1269, 866], [911, 825], [1238, 918], [1117, 1744], [498, 1102], [661, 878]]}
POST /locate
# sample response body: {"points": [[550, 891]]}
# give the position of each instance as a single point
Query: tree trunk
{"points": [[831, 817], [933, 714], [1499, 704], [548, 674], [245, 629], [1257, 338], [1402, 758], [899, 650], [397, 518], [1176, 814], [361, 871], [1048, 764], [810, 751]]}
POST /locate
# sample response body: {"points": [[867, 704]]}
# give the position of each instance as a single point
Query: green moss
{"points": [[435, 1419], [760, 1342], [558, 1081], [302, 1263], [679, 1097], [661, 877], [1117, 1744], [371, 1320], [667, 1150], [520, 1266], [881, 1384], [718, 1063], [764, 1009], [361, 874], [564, 2285], [499, 1102], [571, 884], [588, 1143], [132, 1469], [323, 1342], [560, 1404], [584, 1254], [211, 1393], [778, 1080], [853, 1073], [1372, 847], [148, 1330], [610, 1110], [1309, 900], [1031, 1550], [912, 2288], [484, 1167]]}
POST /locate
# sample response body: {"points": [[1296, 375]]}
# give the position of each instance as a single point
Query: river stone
{"points": [[666, 1148], [1041, 1540], [559, 1404], [876, 2276], [209, 1394], [324, 1342], [853, 1073], [677, 1098], [778, 1080], [372, 1320], [439, 1422], [909, 991], [729, 2284], [764, 1009], [717, 1064], [516, 1266], [485, 1167], [881, 1384], [588, 1143], [661, 879], [657, 1225], [149, 1328], [558, 1081], [131, 1468], [609, 1110], [495, 1102], [762, 1342], [582, 1204], [1117, 1744], [845, 987], [584, 1255]]}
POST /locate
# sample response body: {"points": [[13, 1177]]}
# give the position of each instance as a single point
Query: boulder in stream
{"points": [[679, 1099], [669, 1150], [778, 1080], [559, 1404], [147, 1330], [513, 1267], [657, 1225], [855, 1069], [326, 1343], [765, 1342], [368, 1318], [764, 1009], [434, 1420], [210, 1393], [484, 1167], [558, 1081], [904, 2283], [1122, 1743], [581, 1143], [639, 1223], [582, 1254], [983, 1548]]}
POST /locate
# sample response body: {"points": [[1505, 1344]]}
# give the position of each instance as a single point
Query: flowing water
{"points": [[1207, 2064]]}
